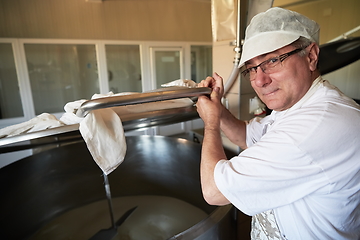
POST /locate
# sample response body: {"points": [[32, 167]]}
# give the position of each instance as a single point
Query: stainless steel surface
{"points": [[50, 183], [160, 95], [130, 122], [34, 135], [338, 54]]}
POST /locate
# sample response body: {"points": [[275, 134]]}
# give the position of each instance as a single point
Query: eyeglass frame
{"points": [[281, 57]]}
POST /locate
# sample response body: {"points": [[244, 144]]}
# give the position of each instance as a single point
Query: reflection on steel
{"points": [[158, 118], [137, 98]]}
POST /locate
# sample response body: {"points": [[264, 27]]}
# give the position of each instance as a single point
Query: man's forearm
{"points": [[233, 128], [212, 153]]}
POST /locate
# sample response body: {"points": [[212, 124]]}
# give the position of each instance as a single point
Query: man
{"points": [[299, 172]]}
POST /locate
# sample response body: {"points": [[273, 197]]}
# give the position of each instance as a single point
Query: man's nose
{"points": [[262, 79]]}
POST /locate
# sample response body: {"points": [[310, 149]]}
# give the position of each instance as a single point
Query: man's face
{"points": [[282, 89]]}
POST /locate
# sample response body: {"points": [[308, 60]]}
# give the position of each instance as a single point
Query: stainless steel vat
{"points": [[41, 187]]}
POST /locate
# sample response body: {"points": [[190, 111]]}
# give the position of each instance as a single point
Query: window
{"points": [[10, 101], [167, 64], [201, 62], [124, 70], [60, 73]]}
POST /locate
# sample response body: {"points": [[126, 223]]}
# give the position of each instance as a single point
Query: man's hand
{"points": [[210, 109], [212, 82]]}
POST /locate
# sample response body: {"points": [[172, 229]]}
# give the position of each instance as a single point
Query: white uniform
{"points": [[300, 174]]}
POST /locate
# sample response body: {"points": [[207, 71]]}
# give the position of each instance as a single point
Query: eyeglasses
{"points": [[269, 66]]}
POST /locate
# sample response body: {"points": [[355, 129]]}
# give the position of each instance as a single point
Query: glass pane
{"points": [[124, 70], [10, 102], [60, 73], [201, 62], [167, 66]]}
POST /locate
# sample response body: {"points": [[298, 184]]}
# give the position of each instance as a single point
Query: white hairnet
{"points": [[274, 29]]}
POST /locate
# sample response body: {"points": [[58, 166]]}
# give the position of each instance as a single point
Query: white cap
{"points": [[274, 29]]}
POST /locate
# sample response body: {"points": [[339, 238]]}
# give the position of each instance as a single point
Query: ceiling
{"points": [[288, 3], [99, 1], [277, 3]]}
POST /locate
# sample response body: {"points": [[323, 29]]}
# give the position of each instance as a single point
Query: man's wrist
{"points": [[212, 128]]}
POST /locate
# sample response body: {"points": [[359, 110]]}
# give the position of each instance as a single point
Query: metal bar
{"points": [[137, 98]]}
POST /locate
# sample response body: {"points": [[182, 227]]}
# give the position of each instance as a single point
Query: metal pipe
{"points": [[345, 35], [235, 71], [138, 98]]}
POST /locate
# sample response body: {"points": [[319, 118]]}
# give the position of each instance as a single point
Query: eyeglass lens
{"points": [[269, 66]]}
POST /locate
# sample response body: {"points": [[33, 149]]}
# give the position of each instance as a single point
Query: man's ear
{"points": [[313, 56]]}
